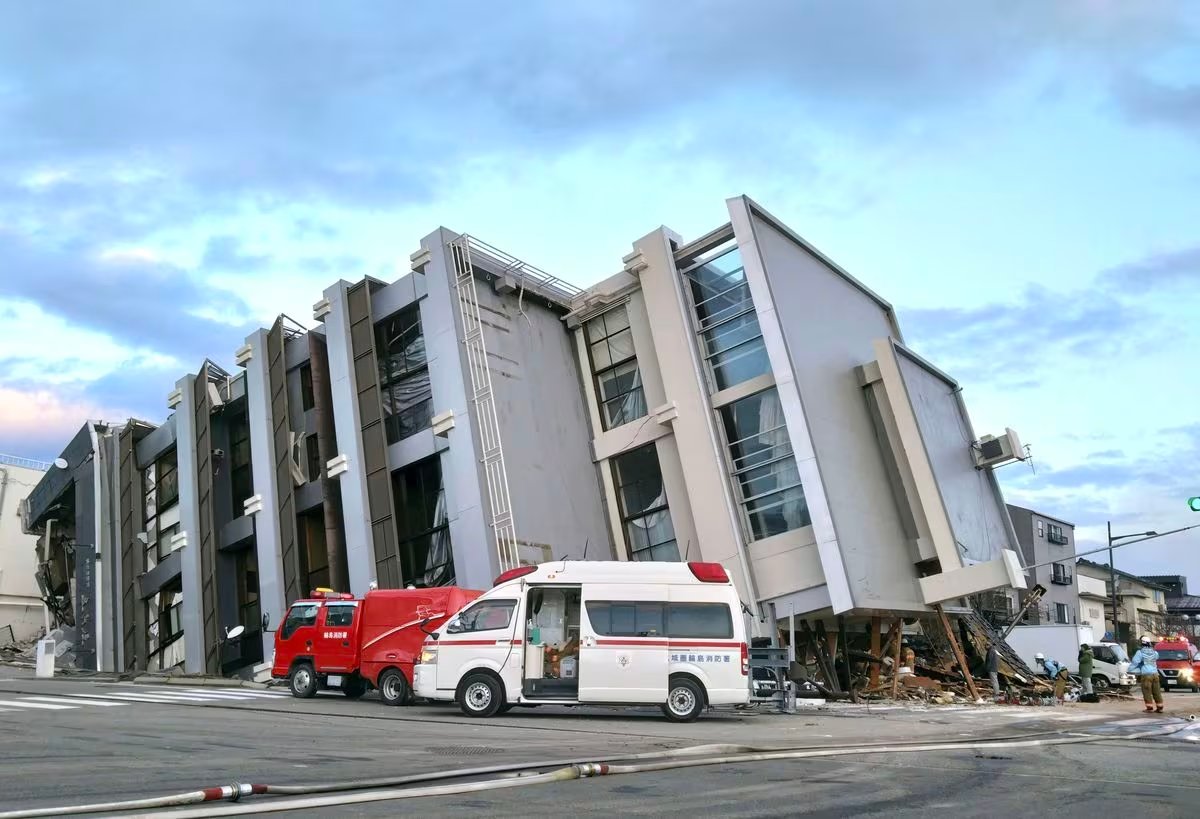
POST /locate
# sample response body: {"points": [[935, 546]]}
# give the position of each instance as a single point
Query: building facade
{"points": [[22, 615], [1141, 605], [738, 398], [1050, 541]]}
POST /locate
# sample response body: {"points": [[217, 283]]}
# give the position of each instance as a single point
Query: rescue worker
{"points": [[991, 664], [1057, 674], [1086, 664], [1144, 665]]}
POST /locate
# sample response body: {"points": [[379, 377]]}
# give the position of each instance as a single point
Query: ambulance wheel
{"points": [[393, 687], [480, 696], [685, 700], [303, 681], [354, 687]]}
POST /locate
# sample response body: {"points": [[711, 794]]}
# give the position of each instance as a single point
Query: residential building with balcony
{"points": [[1051, 541], [736, 398], [1141, 605]]}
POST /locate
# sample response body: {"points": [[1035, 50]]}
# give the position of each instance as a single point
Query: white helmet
{"points": [[1146, 641], [1039, 656]]}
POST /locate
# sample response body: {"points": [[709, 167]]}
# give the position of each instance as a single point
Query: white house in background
{"points": [[20, 600], [1093, 594]]}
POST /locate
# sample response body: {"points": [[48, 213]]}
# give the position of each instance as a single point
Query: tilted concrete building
{"points": [[736, 398]]}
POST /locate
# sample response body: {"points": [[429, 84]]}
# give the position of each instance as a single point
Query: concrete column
{"points": [[360, 559], [262, 466], [189, 523], [476, 563]]}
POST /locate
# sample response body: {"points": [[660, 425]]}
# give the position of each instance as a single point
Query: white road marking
{"points": [[47, 706], [73, 701]]}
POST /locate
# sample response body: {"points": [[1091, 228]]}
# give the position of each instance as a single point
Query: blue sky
{"points": [[1021, 179]]}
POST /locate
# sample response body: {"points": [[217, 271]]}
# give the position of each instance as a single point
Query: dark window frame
{"points": [[609, 371], [166, 475], [308, 398], [396, 372], [631, 517], [289, 626], [241, 472], [412, 492], [599, 614], [341, 608]]}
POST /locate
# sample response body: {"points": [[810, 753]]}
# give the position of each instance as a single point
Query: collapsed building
{"points": [[738, 398]]}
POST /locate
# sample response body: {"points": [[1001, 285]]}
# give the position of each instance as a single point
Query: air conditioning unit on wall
{"points": [[992, 451]]}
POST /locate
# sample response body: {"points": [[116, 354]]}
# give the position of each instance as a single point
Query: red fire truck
{"points": [[335, 640], [1177, 663]]}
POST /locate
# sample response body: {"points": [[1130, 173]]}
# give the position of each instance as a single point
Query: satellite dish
{"points": [[61, 463], [234, 633]]}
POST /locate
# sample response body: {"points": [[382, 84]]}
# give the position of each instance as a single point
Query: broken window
{"points": [[426, 557], [167, 486], [164, 633], [404, 387], [642, 499]]}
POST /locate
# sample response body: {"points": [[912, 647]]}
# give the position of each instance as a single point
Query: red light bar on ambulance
{"points": [[513, 574], [709, 572]]}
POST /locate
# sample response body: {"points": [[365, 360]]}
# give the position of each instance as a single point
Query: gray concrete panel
{"points": [[359, 553], [235, 533], [475, 560], [167, 569], [156, 444], [191, 614], [271, 596], [397, 295], [281, 411]]}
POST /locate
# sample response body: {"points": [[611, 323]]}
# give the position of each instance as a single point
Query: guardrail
{"points": [[27, 463]]}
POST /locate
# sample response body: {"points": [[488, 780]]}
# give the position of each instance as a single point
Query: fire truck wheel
{"points": [[393, 687], [480, 696], [685, 700], [354, 687], [303, 681]]}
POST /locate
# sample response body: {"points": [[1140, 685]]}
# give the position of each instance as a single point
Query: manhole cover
{"points": [[464, 750]]}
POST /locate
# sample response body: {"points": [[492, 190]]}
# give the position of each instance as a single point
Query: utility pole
{"points": [[1112, 581]]}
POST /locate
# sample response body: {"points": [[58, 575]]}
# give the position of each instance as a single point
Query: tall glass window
{"points": [[730, 339], [615, 368], [764, 466], [241, 479], [403, 374], [643, 503], [426, 558]]}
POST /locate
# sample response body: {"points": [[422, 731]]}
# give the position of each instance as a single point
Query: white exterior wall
{"points": [[20, 599]]}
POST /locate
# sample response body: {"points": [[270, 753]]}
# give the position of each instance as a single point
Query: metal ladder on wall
{"points": [[485, 405]]}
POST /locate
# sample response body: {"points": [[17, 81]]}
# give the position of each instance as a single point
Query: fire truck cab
{"points": [[335, 640], [1177, 663]]}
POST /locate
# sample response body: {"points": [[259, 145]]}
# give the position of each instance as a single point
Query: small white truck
{"points": [[1061, 643]]}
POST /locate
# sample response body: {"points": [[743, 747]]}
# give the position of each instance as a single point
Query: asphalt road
{"points": [[71, 742]]}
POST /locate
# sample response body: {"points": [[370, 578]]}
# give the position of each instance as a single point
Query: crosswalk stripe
{"points": [[47, 706], [137, 698], [174, 696], [239, 694], [73, 701]]}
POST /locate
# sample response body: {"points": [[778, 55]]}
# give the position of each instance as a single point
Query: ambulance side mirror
{"points": [[424, 630]]}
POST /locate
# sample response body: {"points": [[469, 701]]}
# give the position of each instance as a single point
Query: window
{"points": [[1061, 575], [241, 478], [1041, 529], [307, 398], [312, 455], [426, 557], [1173, 654], [643, 503], [403, 374], [1103, 654], [730, 338], [707, 620], [619, 619], [614, 365], [167, 484], [246, 569], [1061, 613], [764, 467], [164, 617], [486, 616], [647, 619], [339, 615], [301, 614], [1055, 534]]}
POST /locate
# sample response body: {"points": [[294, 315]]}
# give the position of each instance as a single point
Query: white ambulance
{"points": [[593, 632]]}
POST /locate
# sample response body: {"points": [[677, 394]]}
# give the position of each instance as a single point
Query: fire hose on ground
{"points": [[519, 775]]}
